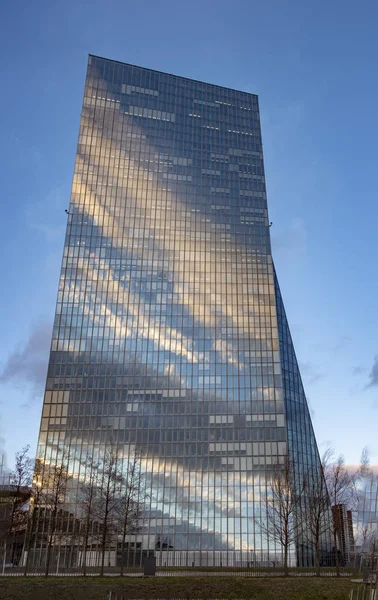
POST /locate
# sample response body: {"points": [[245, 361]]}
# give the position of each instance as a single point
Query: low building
{"points": [[343, 521]]}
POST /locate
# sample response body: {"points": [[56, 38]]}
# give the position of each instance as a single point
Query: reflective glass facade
{"points": [[170, 333], [366, 515]]}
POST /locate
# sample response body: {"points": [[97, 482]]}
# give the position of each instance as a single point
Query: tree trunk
{"points": [[72, 556], [122, 550], [337, 562], [11, 530], [29, 535], [26, 554], [103, 550], [49, 546], [102, 562], [84, 558], [85, 548], [52, 526], [286, 569], [317, 558], [372, 558], [124, 533]]}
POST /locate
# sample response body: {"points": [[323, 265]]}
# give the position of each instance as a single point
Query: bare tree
{"points": [[283, 512], [49, 487], [370, 546], [56, 480], [342, 495], [131, 499], [318, 509], [13, 517], [107, 500], [373, 542], [37, 492], [364, 468], [87, 498], [20, 480], [111, 500], [368, 539]]}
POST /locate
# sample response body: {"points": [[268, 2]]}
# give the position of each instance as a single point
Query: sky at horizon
{"points": [[314, 68]]}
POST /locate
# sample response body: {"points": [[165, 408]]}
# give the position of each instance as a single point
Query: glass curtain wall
{"points": [[170, 335]]}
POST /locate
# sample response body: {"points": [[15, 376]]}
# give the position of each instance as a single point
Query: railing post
{"points": [[57, 563], [5, 552]]}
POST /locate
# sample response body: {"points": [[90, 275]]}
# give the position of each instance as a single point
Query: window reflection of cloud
{"points": [[211, 304], [164, 337], [175, 252], [224, 500]]}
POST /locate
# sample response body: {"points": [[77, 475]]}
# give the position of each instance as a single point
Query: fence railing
{"points": [[361, 593], [178, 572]]}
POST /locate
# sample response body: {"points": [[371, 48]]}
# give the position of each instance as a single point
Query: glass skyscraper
{"points": [[170, 334]]}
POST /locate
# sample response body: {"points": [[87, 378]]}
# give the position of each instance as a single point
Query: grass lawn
{"points": [[185, 588]]}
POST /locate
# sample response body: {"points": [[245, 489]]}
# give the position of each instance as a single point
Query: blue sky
{"points": [[314, 66]]}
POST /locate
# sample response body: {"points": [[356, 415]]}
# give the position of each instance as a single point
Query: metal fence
{"points": [[172, 572], [361, 593]]}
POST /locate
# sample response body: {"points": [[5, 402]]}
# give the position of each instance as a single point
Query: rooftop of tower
{"points": [[222, 87]]}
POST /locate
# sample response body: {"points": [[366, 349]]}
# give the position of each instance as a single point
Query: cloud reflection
{"points": [[156, 275]]}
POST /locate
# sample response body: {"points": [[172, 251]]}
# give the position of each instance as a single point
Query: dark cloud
{"points": [[27, 366], [336, 348], [358, 370], [310, 373], [310, 408], [342, 343], [373, 375]]}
